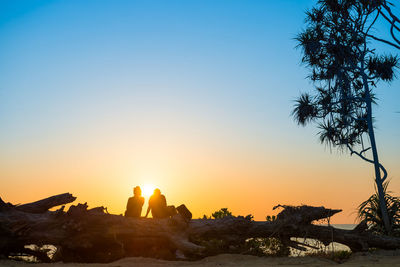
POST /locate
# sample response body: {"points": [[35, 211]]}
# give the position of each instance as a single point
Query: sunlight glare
{"points": [[147, 190]]}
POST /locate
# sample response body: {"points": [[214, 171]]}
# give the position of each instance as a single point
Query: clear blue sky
{"points": [[79, 75]]}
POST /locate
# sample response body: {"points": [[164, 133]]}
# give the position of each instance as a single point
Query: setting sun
{"points": [[168, 132], [147, 190]]}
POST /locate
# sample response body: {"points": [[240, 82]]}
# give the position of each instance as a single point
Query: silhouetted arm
{"points": [[147, 213], [149, 208]]}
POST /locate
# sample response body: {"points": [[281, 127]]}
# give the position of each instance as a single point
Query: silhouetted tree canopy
{"points": [[345, 71], [219, 214]]}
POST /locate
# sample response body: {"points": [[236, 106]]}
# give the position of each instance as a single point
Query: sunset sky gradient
{"points": [[193, 97]]}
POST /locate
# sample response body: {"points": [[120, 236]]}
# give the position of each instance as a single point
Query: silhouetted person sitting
{"points": [[158, 206], [135, 204]]}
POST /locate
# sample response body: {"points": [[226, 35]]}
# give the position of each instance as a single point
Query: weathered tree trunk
{"points": [[378, 179], [46, 204], [93, 236]]}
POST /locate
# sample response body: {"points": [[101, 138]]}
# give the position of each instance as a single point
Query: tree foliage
{"points": [[266, 246], [343, 69], [219, 214], [371, 212], [345, 72]]}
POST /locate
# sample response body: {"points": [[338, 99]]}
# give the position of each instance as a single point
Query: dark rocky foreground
{"points": [[92, 235]]}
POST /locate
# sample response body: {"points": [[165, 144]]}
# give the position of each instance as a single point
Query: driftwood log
{"points": [[92, 235]]}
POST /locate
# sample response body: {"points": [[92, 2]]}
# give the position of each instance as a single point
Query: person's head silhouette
{"points": [[137, 191], [156, 192]]}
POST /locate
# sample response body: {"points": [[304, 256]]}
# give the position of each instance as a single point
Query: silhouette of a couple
{"points": [[157, 205]]}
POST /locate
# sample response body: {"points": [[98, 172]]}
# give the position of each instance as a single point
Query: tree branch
{"points": [[393, 16], [365, 150], [392, 33], [372, 23], [359, 154], [352, 151], [383, 41], [388, 19]]}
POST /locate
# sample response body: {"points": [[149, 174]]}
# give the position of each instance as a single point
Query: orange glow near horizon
{"points": [[178, 96], [204, 179]]}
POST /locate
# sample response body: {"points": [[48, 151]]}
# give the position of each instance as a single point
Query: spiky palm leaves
{"points": [[345, 71], [343, 68], [383, 67], [371, 212], [304, 110]]}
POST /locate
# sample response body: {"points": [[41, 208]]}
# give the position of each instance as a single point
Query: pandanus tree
{"points": [[345, 72]]}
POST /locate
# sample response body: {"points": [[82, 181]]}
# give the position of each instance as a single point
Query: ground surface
{"points": [[381, 258]]}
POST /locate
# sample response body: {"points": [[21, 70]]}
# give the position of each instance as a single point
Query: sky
{"points": [[192, 97]]}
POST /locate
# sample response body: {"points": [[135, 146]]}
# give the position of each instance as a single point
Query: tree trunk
{"points": [[90, 235], [378, 179], [47, 203]]}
